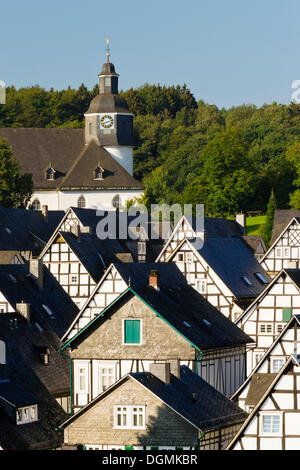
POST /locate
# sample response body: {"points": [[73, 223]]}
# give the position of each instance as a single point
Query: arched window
{"points": [[36, 205], [2, 353], [81, 202], [116, 202]]}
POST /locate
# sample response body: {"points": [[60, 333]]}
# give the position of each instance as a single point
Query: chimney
{"points": [[175, 367], [241, 220], [24, 310], [154, 279], [45, 212], [36, 269], [161, 370]]}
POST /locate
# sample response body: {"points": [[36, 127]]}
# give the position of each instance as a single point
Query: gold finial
{"points": [[107, 49]]}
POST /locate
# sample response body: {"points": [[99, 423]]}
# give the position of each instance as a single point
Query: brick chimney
{"points": [[36, 269], [161, 370], [154, 279], [24, 310]]}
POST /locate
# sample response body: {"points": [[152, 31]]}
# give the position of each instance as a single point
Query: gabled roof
{"points": [[294, 274], [277, 377], [16, 395], [73, 161], [258, 386], [20, 229], [189, 396], [217, 228], [277, 234], [295, 319], [185, 311], [18, 286], [232, 260], [282, 218], [137, 274]]}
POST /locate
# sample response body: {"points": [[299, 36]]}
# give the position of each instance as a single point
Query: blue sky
{"points": [[228, 52]]}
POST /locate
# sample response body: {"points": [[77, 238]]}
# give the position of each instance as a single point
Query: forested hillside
{"points": [[188, 152]]}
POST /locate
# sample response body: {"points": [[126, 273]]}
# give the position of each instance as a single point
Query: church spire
{"points": [[108, 78], [107, 50]]}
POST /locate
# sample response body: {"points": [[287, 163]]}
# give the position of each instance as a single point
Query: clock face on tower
{"points": [[106, 121]]}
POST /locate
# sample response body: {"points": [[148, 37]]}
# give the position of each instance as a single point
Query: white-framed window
{"points": [[201, 286], [270, 423], [73, 278], [141, 248], [130, 417], [276, 364], [36, 205], [180, 257], [27, 414], [116, 202], [257, 355], [107, 376], [189, 257], [283, 252], [266, 328], [279, 327]]}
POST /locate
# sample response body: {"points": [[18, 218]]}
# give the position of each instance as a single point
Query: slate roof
{"points": [[23, 382], [137, 274], [52, 294], [208, 410], [255, 242], [232, 260], [258, 386], [26, 230], [282, 218], [218, 228], [36, 149], [185, 310]]}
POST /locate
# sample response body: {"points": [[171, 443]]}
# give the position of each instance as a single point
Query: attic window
{"points": [[246, 280], [50, 173], [261, 278], [27, 414], [99, 173]]}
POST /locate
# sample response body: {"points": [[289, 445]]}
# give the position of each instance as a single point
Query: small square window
{"points": [[73, 279], [271, 424], [132, 331]]}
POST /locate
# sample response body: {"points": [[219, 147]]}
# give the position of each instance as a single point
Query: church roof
{"points": [[36, 149], [108, 103]]}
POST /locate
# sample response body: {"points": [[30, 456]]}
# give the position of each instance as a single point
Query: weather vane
{"points": [[107, 49]]}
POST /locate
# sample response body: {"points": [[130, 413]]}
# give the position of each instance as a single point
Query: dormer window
{"points": [[36, 205], [81, 202], [98, 173], [50, 174], [116, 202]]}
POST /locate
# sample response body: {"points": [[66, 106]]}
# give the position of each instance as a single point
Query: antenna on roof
{"points": [[107, 49]]}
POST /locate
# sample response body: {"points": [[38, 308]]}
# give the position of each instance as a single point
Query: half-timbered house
{"points": [[34, 314], [167, 408], [156, 323], [274, 422], [270, 312], [224, 271], [286, 344], [284, 251]]}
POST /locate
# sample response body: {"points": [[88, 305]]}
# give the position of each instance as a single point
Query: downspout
{"points": [[197, 357], [71, 381]]}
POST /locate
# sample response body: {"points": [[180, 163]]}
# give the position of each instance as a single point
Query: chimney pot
{"points": [[45, 211], [36, 269], [241, 220], [24, 310], [154, 279]]}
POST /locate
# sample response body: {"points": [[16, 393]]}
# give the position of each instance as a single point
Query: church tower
{"points": [[108, 121]]}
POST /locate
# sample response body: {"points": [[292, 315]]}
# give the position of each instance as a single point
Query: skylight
{"points": [[186, 324], [12, 278], [249, 283], [261, 278], [8, 230], [49, 311], [206, 322]]}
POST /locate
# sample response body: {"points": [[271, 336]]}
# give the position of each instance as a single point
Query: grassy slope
{"points": [[254, 224]]}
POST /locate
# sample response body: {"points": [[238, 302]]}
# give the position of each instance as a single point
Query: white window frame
{"points": [[280, 252], [180, 260], [106, 365], [277, 358], [3, 306], [142, 248], [279, 330], [123, 332], [129, 416], [203, 282], [263, 414], [189, 258], [24, 414], [261, 353]]}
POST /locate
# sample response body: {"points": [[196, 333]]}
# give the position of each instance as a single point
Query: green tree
{"points": [[268, 226], [15, 189]]}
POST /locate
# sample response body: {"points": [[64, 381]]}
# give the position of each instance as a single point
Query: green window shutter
{"points": [[178, 448], [128, 447], [132, 331], [154, 448], [286, 314]]}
